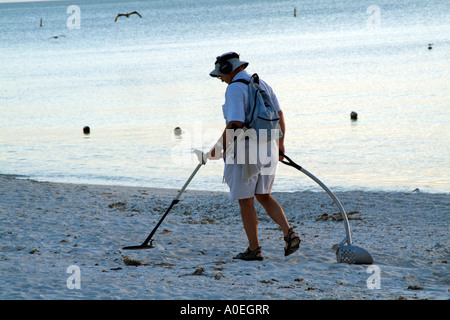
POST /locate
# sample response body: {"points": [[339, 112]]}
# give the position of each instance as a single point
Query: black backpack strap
{"points": [[240, 80], [254, 76]]}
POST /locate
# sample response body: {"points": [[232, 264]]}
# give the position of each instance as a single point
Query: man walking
{"points": [[229, 68]]}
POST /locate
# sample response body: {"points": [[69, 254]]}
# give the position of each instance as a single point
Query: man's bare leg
{"points": [[274, 210], [250, 221]]}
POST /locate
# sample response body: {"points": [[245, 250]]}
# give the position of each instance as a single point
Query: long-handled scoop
{"points": [[344, 253], [148, 243]]}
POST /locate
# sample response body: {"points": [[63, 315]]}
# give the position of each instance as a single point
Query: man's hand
{"points": [[281, 149], [215, 152]]}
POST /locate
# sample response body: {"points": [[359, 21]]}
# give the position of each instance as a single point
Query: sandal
{"points": [[250, 255], [293, 242]]}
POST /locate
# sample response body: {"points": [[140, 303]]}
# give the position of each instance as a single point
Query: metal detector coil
{"points": [[141, 246]]}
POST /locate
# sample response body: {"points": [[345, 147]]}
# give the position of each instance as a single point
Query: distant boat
{"points": [[127, 15]]}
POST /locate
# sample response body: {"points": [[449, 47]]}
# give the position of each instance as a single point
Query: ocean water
{"points": [[133, 81]]}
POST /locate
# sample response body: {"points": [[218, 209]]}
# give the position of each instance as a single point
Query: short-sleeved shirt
{"points": [[236, 106]]}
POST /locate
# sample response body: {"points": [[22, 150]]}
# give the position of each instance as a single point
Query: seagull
{"points": [[127, 15], [56, 37]]}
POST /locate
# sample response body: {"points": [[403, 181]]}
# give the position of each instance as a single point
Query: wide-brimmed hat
{"points": [[227, 63]]}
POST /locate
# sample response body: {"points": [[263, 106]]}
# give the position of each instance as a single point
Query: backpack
{"points": [[262, 115]]}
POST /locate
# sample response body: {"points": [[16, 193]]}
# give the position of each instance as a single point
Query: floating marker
{"points": [[177, 131]]}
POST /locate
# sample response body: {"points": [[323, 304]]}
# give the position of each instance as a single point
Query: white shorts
{"points": [[258, 184]]}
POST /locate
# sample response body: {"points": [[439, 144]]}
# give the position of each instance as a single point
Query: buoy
{"points": [[353, 115], [40, 25], [295, 12], [177, 131], [86, 130], [430, 46]]}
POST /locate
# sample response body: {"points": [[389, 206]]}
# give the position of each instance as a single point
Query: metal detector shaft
{"points": [[291, 163], [174, 202]]}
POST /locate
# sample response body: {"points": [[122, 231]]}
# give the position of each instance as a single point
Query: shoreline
{"points": [[49, 227], [192, 188]]}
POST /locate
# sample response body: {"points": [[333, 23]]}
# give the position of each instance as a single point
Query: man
{"points": [[229, 68]]}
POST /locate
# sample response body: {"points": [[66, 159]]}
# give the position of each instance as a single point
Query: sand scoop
{"points": [[344, 253]]}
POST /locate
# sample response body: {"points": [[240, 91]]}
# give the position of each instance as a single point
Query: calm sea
{"points": [[133, 81]]}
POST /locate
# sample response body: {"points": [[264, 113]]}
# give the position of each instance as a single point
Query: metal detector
{"points": [[148, 243], [202, 158], [344, 253]]}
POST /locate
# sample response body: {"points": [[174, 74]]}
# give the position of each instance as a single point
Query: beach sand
{"points": [[56, 236]]}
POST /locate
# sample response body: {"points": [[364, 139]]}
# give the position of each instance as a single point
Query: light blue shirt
{"points": [[237, 104]]}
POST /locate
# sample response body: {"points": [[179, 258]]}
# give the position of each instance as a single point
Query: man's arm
{"points": [[283, 130], [214, 153]]}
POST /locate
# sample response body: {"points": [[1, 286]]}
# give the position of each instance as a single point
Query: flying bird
{"points": [[56, 37], [127, 15]]}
